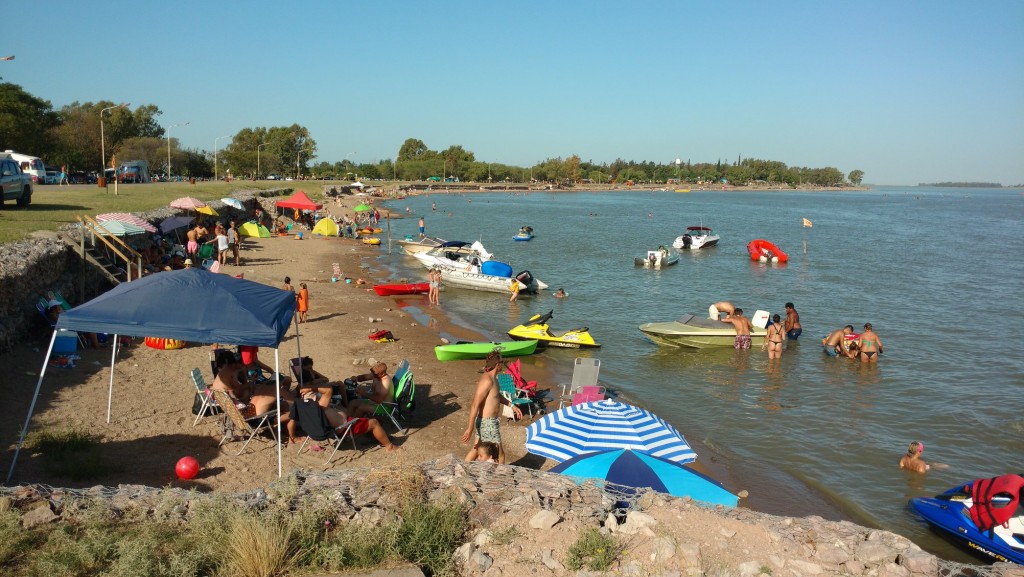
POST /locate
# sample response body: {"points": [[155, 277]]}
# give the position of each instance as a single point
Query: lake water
{"points": [[939, 273]]}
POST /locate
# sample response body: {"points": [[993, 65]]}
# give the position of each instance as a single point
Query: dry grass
{"points": [[256, 548]]}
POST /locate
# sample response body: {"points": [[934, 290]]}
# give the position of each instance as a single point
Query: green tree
{"points": [[412, 149], [151, 149], [25, 122], [856, 177]]}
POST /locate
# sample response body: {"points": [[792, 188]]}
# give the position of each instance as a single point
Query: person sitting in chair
{"points": [[306, 411], [318, 384], [252, 399], [381, 390], [255, 368]]}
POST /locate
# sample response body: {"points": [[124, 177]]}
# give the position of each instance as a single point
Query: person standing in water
{"points": [[742, 325], [793, 328], [869, 345], [775, 337]]}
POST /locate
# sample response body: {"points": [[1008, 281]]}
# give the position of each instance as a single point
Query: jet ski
{"points": [[983, 514], [537, 329]]}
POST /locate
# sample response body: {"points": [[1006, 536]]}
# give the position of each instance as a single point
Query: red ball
{"points": [[187, 468]]}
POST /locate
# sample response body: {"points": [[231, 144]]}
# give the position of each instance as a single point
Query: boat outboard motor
{"points": [[527, 279], [687, 241]]}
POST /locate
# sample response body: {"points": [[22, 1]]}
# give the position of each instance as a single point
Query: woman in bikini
{"points": [[869, 345], [775, 337]]}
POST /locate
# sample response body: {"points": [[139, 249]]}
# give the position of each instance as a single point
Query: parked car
{"points": [[81, 177], [274, 177], [16, 185]]}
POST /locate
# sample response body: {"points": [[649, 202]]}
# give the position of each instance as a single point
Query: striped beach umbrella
{"points": [[187, 203], [129, 218], [602, 426]]}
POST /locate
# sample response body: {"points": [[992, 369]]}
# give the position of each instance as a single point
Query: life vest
{"points": [[983, 513]]}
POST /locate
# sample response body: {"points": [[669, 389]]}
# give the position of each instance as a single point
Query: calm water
{"points": [[938, 272]]}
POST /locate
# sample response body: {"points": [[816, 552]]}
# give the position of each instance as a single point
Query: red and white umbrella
{"points": [[187, 203], [128, 218]]}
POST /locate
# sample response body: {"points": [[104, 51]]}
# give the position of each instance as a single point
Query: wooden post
{"points": [[388, 217]]}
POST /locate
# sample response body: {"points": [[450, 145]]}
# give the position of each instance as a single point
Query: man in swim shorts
{"points": [[793, 328], [486, 406], [742, 326], [835, 343]]}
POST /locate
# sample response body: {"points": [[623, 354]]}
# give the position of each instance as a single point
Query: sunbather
{"points": [[252, 399], [314, 382], [381, 390], [337, 417]]}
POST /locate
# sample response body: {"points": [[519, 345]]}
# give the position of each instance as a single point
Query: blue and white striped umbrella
{"points": [[605, 425]]}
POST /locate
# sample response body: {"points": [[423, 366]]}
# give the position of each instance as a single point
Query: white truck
{"points": [[133, 171], [30, 165]]}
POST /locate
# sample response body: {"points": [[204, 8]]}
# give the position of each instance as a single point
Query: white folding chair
{"points": [[584, 374]]}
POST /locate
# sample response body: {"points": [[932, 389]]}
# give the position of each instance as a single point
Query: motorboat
{"points": [[537, 329], [657, 259], [763, 251], [412, 246], [525, 234], [500, 281], [696, 237], [457, 254], [702, 332], [995, 528], [385, 290], [463, 351]]}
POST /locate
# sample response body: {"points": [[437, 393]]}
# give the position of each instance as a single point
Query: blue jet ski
{"points": [[525, 234], [955, 512]]}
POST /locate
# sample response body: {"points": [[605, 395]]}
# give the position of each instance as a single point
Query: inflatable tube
{"points": [[164, 344], [764, 251]]}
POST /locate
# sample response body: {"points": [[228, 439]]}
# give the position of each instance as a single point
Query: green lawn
{"points": [[53, 206]]}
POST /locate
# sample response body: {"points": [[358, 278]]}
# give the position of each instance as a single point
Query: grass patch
{"points": [[594, 551], [505, 535], [72, 454]]}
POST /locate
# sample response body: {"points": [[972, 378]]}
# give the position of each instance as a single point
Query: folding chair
{"points": [[589, 394], [309, 416], [204, 393], [233, 419], [584, 374], [41, 307], [404, 388], [517, 397]]}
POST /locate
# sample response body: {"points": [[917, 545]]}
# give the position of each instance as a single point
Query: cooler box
{"points": [[66, 343], [496, 268], [760, 319]]}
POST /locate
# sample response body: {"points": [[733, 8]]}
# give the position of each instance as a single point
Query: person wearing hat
{"points": [[188, 263], [484, 411]]}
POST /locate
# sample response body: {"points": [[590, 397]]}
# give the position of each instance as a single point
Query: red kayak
{"points": [[765, 251], [386, 290]]}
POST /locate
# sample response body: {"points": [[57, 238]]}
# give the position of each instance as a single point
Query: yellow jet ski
{"points": [[537, 329]]}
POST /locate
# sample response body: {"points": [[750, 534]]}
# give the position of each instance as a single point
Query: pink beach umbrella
{"points": [[187, 203], [128, 218]]}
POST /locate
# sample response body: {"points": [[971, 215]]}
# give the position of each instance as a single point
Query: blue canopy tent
{"points": [[191, 305]]}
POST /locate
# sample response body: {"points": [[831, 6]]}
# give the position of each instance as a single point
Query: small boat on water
{"points": [[994, 527], [499, 282], [696, 237], [385, 290], [537, 329], [412, 246], [455, 253], [657, 259], [525, 234], [463, 351], [702, 332], [763, 251]]}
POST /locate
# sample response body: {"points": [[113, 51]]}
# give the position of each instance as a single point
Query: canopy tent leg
{"points": [[280, 433], [110, 391], [32, 406]]}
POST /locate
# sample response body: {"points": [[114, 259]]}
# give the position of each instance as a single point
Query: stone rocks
{"points": [[544, 519], [39, 515], [549, 561]]}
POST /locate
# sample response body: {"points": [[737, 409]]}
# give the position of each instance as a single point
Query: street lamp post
{"points": [[215, 141], [258, 159], [103, 149], [169, 146]]}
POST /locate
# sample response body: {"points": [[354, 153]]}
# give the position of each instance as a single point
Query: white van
{"points": [[31, 165]]}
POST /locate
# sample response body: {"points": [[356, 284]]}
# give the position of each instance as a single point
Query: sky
{"points": [[908, 92]]}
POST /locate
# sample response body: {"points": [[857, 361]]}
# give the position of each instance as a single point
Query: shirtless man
{"points": [[835, 343], [193, 242], [793, 328], [715, 310], [483, 413], [336, 417], [742, 325]]}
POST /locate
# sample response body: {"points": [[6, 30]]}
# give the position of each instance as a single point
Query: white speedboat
{"points": [[413, 246], [657, 259], [702, 332], [457, 254], [499, 283], [696, 237]]}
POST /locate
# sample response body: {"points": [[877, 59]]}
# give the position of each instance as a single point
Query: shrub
{"points": [[594, 551]]}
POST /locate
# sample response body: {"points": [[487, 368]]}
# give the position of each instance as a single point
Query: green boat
{"points": [[463, 351]]}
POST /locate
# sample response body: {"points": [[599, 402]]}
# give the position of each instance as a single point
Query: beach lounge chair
{"points": [[204, 397], [589, 394], [234, 421], [584, 374], [518, 397], [310, 417]]}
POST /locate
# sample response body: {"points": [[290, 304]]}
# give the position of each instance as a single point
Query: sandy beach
{"points": [[151, 420]]}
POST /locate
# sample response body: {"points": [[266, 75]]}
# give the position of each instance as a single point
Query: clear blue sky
{"points": [[905, 91]]}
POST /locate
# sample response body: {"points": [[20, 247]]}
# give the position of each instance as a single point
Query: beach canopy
{"points": [[220, 309], [299, 201], [605, 425], [326, 227], [173, 223], [187, 203], [129, 218], [631, 470], [253, 229], [357, 184]]}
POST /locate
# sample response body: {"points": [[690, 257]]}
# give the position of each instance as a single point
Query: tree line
{"points": [[71, 136]]}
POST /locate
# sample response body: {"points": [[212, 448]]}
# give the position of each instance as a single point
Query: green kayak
{"points": [[462, 351]]}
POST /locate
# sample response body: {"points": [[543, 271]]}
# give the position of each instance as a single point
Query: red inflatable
{"points": [[765, 251], [164, 344]]}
